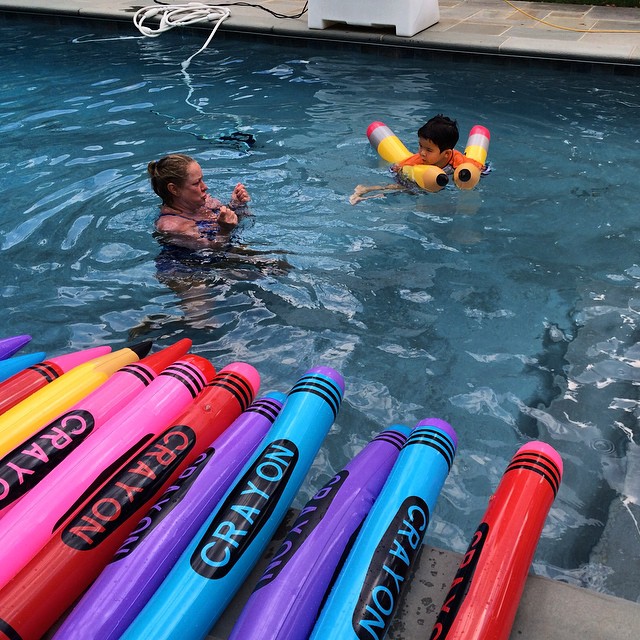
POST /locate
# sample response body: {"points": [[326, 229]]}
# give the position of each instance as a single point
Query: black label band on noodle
{"points": [[127, 490], [245, 510], [389, 569]]}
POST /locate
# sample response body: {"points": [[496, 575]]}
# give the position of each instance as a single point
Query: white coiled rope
{"points": [[181, 15]]}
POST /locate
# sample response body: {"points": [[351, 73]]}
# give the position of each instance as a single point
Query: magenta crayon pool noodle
{"points": [[286, 600], [220, 557], [366, 594], [147, 556], [27, 527], [26, 465]]}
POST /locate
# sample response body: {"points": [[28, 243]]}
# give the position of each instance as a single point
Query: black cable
{"points": [[255, 6]]}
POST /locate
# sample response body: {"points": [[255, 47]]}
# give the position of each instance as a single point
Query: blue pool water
{"points": [[512, 311]]}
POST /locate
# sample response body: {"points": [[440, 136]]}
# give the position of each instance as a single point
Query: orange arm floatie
{"points": [[411, 161], [459, 158]]}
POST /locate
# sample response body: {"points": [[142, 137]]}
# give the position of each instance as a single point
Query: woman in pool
{"points": [[189, 216]]}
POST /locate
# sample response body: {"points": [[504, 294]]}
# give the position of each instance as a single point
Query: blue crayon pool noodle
{"points": [[229, 543], [287, 599], [11, 366], [366, 593]]}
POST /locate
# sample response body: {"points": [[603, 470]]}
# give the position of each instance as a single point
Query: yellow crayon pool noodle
{"points": [[467, 175], [41, 407]]}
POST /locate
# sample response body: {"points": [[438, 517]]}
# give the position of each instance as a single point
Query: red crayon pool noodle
{"points": [[138, 567], [85, 542], [485, 593], [224, 550], [24, 383], [31, 461]]}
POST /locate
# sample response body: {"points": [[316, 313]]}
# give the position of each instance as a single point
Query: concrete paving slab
{"points": [[549, 610]]}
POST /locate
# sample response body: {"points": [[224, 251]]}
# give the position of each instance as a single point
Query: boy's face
{"points": [[431, 154]]}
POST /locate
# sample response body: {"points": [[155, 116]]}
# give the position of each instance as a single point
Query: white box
{"points": [[407, 16]]}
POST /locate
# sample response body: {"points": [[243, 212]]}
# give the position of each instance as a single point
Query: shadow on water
{"points": [[597, 368], [198, 277], [551, 369]]}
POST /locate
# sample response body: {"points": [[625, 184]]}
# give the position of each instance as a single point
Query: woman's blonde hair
{"points": [[170, 168]]}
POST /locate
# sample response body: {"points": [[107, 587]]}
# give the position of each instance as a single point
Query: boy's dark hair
{"points": [[442, 131]]}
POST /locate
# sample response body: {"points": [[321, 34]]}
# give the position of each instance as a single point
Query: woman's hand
{"points": [[227, 216], [240, 196]]}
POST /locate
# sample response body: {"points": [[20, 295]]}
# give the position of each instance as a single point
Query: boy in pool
{"points": [[436, 146]]}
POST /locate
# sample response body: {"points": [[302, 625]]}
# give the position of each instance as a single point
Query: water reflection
{"points": [[200, 277]]}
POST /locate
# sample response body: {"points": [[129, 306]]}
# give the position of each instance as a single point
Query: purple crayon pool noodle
{"points": [[12, 344], [287, 598], [368, 589], [145, 558]]}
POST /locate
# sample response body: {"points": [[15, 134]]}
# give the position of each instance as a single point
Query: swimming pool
{"points": [[511, 311]]}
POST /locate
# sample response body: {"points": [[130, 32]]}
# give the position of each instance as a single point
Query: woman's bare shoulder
{"points": [[170, 221]]}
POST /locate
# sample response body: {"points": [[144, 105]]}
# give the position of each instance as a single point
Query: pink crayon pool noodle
{"points": [[27, 527], [26, 465]]}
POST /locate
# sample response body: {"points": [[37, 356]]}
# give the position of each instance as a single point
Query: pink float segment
{"points": [[27, 527], [30, 462]]}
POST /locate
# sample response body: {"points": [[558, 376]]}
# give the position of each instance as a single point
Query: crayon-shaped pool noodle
{"points": [[11, 366], [12, 344], [287, 598], [368, 589], [386, 143], [485, 593], [27, 464], [467, 175], [477, 146], [389, 148], [87, 539], [217, 561], [19, 422], [146, 557], [32, 521], [40, 374]]}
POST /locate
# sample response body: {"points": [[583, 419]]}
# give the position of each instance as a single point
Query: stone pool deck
{"points": [[581, 34], [489, 27]]}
